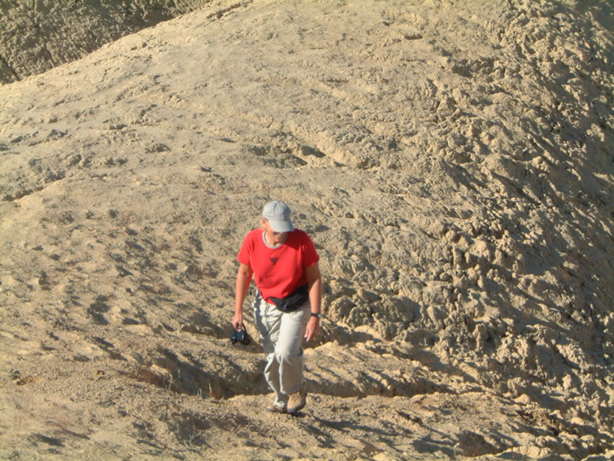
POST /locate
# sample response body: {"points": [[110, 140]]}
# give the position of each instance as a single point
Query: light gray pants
{"points": [[282, 338]]}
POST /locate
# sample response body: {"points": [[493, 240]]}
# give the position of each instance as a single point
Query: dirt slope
{"points": [[453, 163], [36, 36]]}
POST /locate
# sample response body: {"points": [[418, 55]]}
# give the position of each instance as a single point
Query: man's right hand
{"points": [[237, 320]]}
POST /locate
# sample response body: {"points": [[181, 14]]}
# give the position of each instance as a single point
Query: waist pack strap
{"points": [[294, 300]]}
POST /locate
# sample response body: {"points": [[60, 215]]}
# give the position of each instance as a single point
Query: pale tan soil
{"points": [[451, 160], [38, 35]]}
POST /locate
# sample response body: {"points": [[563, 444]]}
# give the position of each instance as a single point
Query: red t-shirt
{"points": [[278, 271]]}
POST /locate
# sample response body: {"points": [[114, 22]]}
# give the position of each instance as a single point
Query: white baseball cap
{"points": [[278, 215]]}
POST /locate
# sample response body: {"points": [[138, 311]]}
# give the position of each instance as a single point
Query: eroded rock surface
{"points": [[38, 35]]}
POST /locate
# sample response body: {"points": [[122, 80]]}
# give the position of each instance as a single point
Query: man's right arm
{"points": [[244, 278]]}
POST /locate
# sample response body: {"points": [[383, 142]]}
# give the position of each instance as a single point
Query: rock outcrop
{"points": [[38, 35]]}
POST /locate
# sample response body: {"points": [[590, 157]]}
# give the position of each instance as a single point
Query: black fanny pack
{"points": [[294, 300]]}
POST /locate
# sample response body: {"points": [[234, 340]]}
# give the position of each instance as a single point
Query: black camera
{"points": [[240, 336]]}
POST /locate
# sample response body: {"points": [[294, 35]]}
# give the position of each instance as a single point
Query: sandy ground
{"points": [[36, 36], [451, 160]]}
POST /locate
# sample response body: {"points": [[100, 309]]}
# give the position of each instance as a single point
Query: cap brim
{"points": [[281, 226]]}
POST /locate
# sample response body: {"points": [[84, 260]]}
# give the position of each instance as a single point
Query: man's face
{"points": [[274, 238]]}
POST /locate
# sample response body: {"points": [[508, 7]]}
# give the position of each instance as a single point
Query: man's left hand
{"points": [[312, 329]]}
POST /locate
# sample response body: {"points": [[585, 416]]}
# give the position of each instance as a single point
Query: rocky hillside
{"points": [[452, 160], [37, 35]]}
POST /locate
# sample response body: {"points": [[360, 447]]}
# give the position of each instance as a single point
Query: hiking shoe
{"points": [[274, 408], [297, 400]]}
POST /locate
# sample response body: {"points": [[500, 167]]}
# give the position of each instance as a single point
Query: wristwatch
{"points": [[319, 316]]}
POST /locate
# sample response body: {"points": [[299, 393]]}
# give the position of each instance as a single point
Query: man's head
{"points": [[278, 215]]}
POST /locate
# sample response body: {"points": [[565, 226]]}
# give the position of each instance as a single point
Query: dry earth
{"points": [[37, 35], [452, 160]]}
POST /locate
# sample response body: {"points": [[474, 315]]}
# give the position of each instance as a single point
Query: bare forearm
{"points": [[315, 295], [244, 278], [314, 279]]}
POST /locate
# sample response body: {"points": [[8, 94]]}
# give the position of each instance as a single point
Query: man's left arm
{"points": [[314, 280]]}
